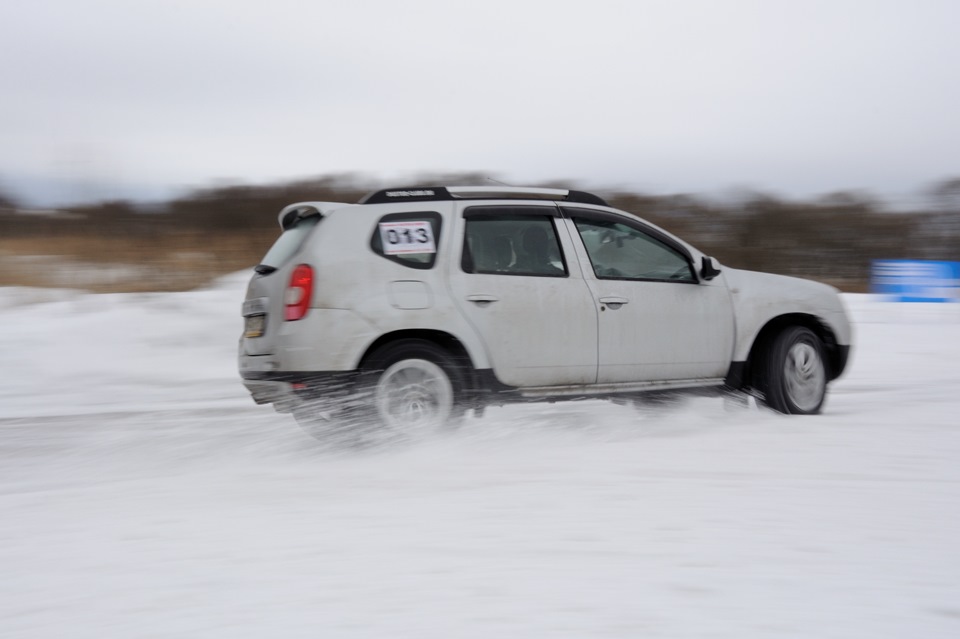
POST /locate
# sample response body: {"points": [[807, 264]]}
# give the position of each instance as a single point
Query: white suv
{"points": [[426, 302]]}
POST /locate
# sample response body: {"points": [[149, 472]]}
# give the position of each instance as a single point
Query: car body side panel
{"points": [[336, 336], [759, 298], [664, 330], [352, 277], [536, 331]]}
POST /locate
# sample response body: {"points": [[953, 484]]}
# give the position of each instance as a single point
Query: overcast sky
{"points": [[132, 97]]}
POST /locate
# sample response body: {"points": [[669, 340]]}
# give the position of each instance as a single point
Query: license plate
{"points": [[254, 325]]}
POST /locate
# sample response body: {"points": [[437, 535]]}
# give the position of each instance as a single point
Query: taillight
{"points": [[296, 299]]}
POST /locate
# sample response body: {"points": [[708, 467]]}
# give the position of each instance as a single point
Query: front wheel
{"points": [[795, 375]]}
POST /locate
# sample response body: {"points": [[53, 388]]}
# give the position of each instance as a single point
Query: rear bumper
{"points": [[265, 392], [287, 390]]}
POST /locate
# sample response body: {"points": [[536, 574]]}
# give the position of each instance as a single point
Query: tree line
{"points": [[213, 231]]}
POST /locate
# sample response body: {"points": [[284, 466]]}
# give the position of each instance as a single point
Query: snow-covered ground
{"points": [[142, 494]]}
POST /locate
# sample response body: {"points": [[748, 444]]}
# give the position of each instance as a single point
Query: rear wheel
{"points": [[795, 375], [413, 388], [408, 389]]}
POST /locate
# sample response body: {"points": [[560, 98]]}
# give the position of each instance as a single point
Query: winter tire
{"points": [[795, 373], [413, 388]]}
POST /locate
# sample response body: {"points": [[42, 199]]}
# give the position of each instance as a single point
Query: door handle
{"points": [[482, 300], [614, 302]]}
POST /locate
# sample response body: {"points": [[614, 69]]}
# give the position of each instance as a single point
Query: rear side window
{"points": [[411, 239], [288, 243]]}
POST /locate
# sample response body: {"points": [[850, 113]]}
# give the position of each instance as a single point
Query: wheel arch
{"points": [[442, 339], [835, 357]]}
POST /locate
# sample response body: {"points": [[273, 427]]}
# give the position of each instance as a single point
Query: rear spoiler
{"points": [[290, 215]]}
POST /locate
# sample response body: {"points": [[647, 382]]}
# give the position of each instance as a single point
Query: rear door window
{"points": [[512, 241]]}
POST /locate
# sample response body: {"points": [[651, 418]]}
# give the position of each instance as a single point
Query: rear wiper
{"points": [[264, 269]]}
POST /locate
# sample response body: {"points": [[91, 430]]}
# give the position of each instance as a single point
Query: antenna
{"points": [[499, 182]]}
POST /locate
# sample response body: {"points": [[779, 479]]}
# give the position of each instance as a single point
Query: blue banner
{"points": [[916, 280]]}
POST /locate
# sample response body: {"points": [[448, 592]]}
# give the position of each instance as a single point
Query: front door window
{"points": [[618, 251]]}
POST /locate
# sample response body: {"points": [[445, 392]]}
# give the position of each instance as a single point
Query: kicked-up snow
{"points": [[142, 494]]}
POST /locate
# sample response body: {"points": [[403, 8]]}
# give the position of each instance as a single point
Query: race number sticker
{"points": [[398, 238]]}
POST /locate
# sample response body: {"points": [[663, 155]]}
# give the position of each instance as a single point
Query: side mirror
{"points": [[707, 270]]}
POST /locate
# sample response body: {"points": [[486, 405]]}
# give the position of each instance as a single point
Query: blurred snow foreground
{"points": [[142, 494]]}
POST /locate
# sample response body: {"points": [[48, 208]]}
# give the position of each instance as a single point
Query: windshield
{"points": [[288, 243]]}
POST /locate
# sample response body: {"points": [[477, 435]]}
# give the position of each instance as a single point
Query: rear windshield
{"points": [[289, 242]]}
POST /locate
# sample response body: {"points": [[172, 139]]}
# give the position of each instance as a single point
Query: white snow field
{"points": [[142, 494]]}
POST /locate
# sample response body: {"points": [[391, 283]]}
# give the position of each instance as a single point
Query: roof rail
{"points": [[446, 193]]}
